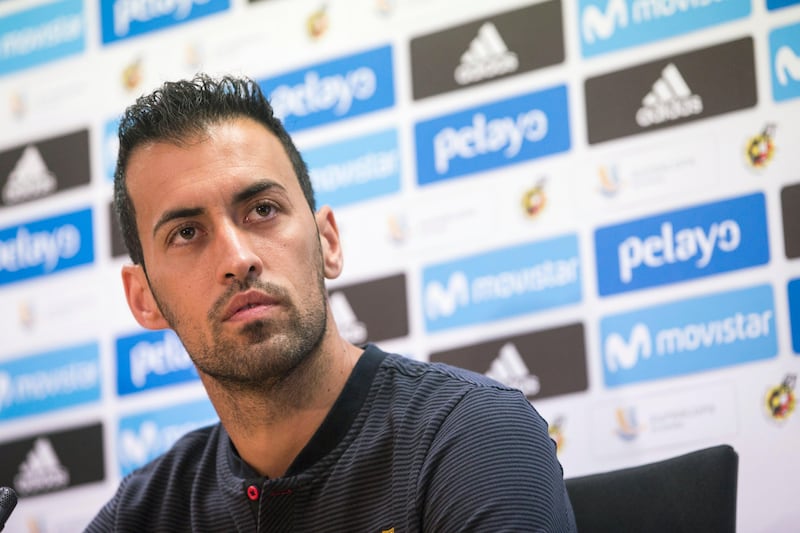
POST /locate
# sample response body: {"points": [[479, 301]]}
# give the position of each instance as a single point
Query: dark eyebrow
{"points": [[254, 190], [240, 197], [177, 213]]}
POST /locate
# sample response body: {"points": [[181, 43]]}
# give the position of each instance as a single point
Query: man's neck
{"points": [[270, 427]]}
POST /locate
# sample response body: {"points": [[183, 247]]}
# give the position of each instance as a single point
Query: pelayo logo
{"points": [[689, 336], [339, 89], [46, 246], [494, 135], [152, 359], [122, 19], [684, 244]]}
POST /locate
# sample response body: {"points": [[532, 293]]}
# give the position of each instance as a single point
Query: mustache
{"points": [[273, 290]]}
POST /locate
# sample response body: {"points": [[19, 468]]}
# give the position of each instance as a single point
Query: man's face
{"points": [[235, 259]]}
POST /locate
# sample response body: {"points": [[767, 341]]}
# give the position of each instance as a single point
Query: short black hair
{"points": [[180, 110]]}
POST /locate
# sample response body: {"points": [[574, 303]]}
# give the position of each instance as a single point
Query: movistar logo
{"points": [[599, 24], [49, 34], [785, 52], [139, 445], [363, 169], [787, 65], [612, 24], [144, 436], [43, 384], [444, 299], [501, 283], [459, 292], [41, 34], [48, 381], [691, 335], [625, 354]]}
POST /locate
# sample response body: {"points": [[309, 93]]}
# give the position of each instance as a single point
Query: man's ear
{"points": [[331, 245], [140, 298]]}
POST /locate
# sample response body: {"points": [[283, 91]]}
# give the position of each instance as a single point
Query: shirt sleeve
{"points": [[493, 467]]}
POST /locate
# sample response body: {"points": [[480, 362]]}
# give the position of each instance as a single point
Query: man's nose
{"points": [[237, 257]]}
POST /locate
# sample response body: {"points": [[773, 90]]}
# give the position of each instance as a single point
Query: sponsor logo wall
{"points": [[595, 202]]}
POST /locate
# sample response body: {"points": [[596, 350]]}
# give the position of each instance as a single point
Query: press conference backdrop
{"points": [[596, 201]]}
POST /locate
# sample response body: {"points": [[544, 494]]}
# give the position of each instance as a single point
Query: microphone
{"points": [[8, 500]]}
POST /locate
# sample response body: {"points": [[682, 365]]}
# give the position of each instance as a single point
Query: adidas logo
{"points": [[787, 65], [41, 470], [29, 178], [510, 369], [487, 57], [670, 99], [351, 328]]}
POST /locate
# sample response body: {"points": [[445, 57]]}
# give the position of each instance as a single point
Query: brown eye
{"points": [[264, 210], [187, 233]]}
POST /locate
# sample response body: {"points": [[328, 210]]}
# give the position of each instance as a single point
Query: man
{"points": [[315, 434]]}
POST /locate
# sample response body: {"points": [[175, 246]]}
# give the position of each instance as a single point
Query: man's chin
{"points": [[257, 331]]}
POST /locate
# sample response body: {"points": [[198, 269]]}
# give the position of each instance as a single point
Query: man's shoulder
{"points": [[156, 493], [425, 391], [405, 368]]}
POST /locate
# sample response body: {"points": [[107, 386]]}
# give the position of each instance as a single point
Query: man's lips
{"points": [[247, 304]]}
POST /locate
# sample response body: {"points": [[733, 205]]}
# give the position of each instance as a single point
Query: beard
{"points": [[263, 352]]}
